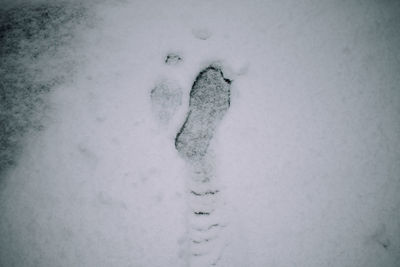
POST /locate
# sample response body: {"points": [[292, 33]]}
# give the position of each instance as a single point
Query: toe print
{"points": [[173, 59]]}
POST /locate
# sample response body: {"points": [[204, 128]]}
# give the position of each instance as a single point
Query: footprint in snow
{"points": [[166, 96], [209, 102]]}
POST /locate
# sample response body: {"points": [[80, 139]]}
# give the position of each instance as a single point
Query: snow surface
{"points": [[307, 158]]}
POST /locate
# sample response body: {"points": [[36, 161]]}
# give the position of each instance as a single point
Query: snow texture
{"points": [[294, 163]]}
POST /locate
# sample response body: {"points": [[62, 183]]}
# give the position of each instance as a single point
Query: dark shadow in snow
{"points": [[31, 35]]}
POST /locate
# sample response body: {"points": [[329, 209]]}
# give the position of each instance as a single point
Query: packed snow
{"points": [[302, 169]]}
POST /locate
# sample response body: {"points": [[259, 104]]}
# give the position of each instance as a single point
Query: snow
{"points": [[305, 160]]}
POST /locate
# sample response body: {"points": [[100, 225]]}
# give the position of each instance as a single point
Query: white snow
{"points": [[306, 158]]}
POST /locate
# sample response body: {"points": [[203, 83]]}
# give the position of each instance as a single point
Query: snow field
{"points": [[305, 160]]}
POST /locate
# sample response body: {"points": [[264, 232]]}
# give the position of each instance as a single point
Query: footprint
{"points": [[209, 102], [166, 97]]}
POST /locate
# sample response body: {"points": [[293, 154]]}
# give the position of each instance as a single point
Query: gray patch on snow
{"points": [[381, 237], [31, 65], [166, 97]]}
